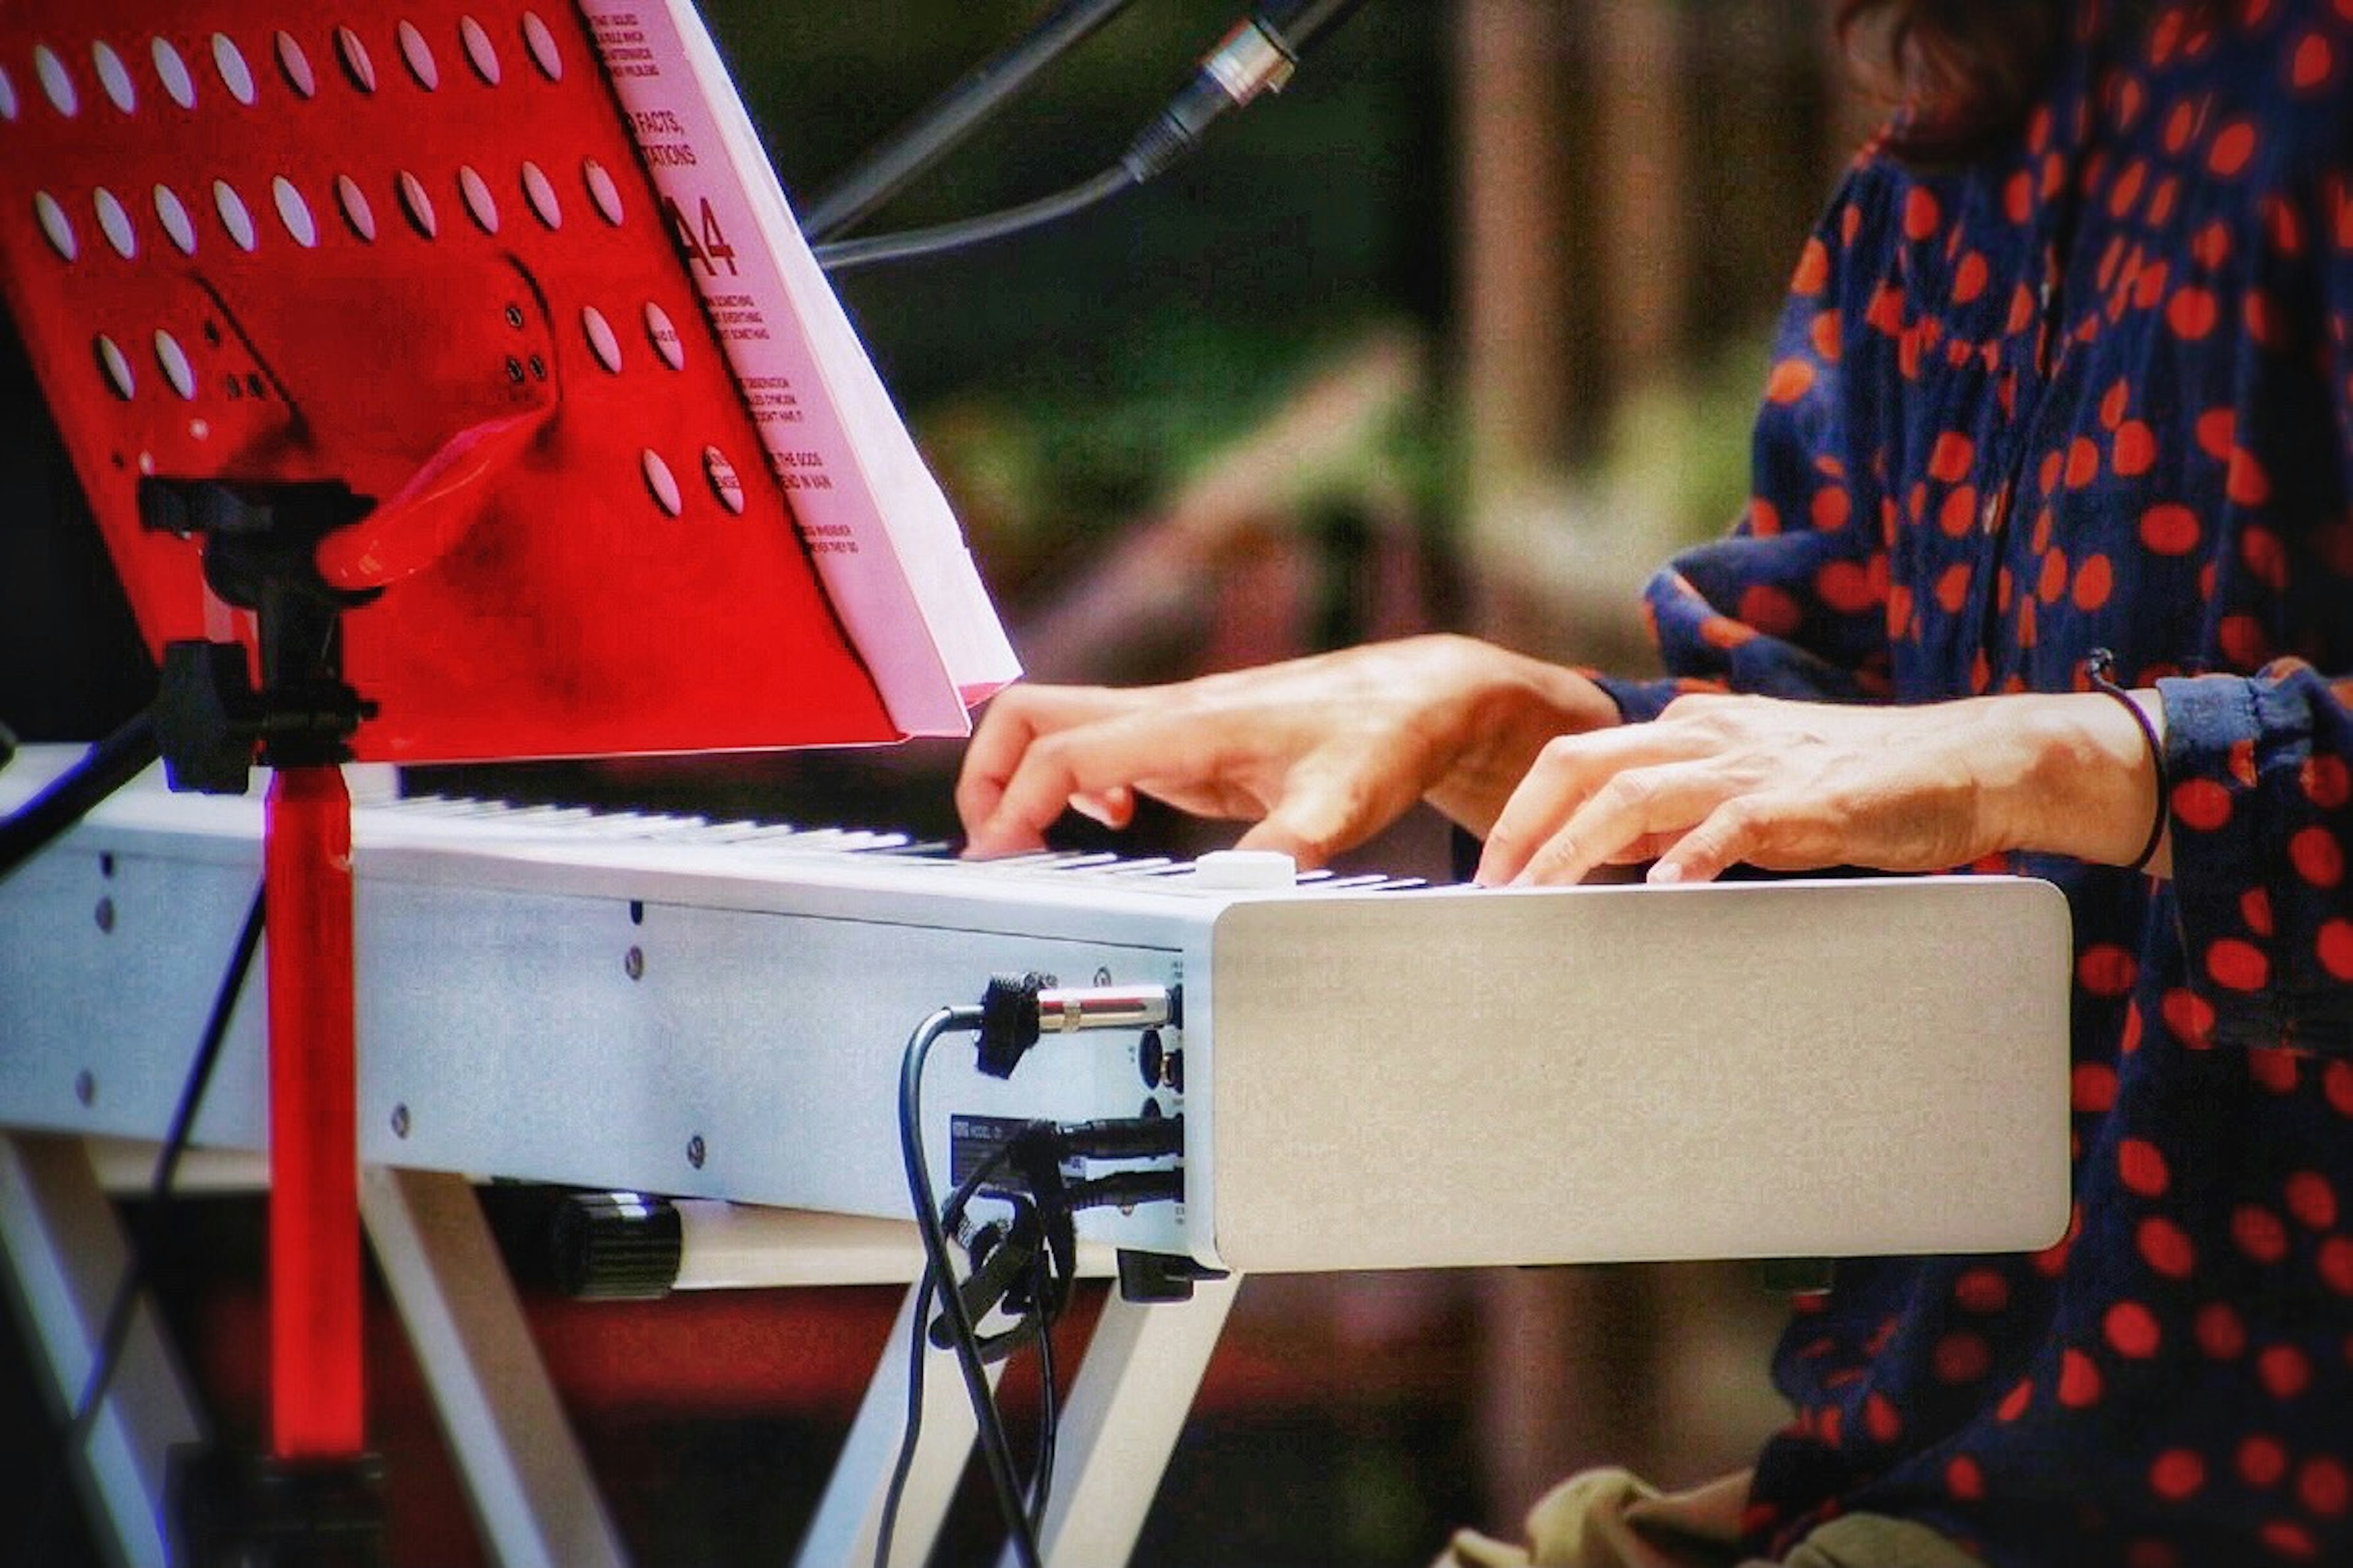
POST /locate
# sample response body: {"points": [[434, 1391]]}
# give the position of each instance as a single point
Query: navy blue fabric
{"points": [[2093, 392]]}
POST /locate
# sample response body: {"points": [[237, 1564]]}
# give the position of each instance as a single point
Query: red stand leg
{"points": [[314, 1228]]}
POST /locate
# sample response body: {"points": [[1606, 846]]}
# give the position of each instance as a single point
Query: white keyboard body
{"points": [[1373, 1075]]}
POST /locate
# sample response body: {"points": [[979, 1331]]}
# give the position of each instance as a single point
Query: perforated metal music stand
{"points": [[379, 367]]}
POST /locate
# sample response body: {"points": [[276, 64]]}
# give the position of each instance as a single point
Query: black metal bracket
{"points": [[1148, 1277], [211, 719]]}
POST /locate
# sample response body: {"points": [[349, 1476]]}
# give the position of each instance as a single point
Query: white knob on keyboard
{"points": [[1245, 868]]}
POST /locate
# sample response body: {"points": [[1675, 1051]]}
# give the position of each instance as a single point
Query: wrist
{"points": [[2083, 781]]}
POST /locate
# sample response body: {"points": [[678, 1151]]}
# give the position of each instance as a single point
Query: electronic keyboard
{"points": [[1371, 1072]]}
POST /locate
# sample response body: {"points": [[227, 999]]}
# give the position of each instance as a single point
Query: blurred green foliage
{"points": [[1065, 378]]}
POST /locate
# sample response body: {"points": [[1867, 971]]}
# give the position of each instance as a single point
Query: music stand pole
{"points": [[315, 1500], [314, 1239]]}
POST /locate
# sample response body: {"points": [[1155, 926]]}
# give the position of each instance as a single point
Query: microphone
{"points": [[1258, 56]]}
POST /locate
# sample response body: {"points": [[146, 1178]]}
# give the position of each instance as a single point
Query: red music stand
{"points": [[385, 381]]}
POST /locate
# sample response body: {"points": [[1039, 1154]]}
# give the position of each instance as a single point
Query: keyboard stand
{"points": [[536, 1503]]}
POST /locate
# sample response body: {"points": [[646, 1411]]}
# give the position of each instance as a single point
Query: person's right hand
{"points": [[1319, 753]]}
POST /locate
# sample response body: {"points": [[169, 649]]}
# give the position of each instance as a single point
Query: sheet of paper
{"points": [[892, 554]]}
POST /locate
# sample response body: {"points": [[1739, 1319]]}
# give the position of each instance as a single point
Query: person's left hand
{"points": [[1793, 786]]}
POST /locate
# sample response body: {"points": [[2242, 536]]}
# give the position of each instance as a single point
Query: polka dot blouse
{"points": [[2096, 392]]}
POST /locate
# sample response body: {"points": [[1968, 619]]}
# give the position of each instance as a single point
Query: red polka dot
{"points": [[2322, 1486], [2127, 189], [2018, 197], [1953, 587], [1826, 336], [2015, 1402], [1879, 1418], [2312, 1200], [2265, 557], [2313, 63], [1813, 267], [1885, 311], [1965, 1478], [1769, 609], [2219, 1331], [2115, 401], [1951, 457], [2149, 287], [2176, 1474], [1970, 279], [2201, 804], [2106, 969], [2079, 1380], [2189, 1018], [2244, 641], [2247, 484], [2091, 1088], [2328, 782], [2169, 529], [2140, 1164], [2052, 581], [2095, 580], [2136, 449], [2259, 1233], [1790, 380], [2335, 947], [1961, 1356], [2238, 966], [2216, 429], [1957, 513], [2284, 1371], [1920, 214], [2317, 858], [2336, 1083], [2273, 1070], [2233, 146], [2262, 1461], [2182, 123], [1831, 508], [2083, 462], [2282, 226], [2191, 313], [2334, 1263], [2286, 1538], [2165, 1247], [1982, 1290], [2132, 1329]]}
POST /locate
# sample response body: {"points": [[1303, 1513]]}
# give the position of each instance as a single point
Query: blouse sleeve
{"points": [[2260, 765], [1793, 603]]}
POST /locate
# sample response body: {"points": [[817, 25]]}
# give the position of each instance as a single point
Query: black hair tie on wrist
{"points": [[2098, 668]]}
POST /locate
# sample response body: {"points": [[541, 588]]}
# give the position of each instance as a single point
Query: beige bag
{"points": [[1613, 1518]]}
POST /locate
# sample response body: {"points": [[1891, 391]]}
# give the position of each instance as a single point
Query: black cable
{"points": [[1036, 1149], [843, 255], [911, 1431], [109, 765], [996, 1452], [883, 172], [116, 1334], [1050, 1417]]}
